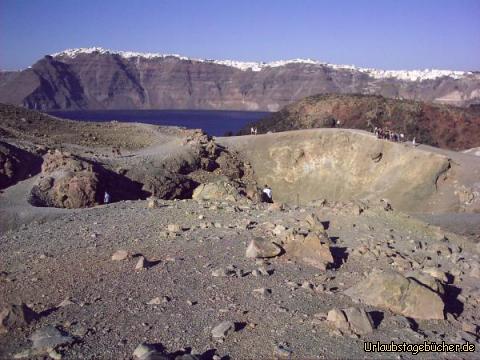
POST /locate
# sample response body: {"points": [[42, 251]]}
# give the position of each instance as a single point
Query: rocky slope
{"points": [[176, 278], [342, 164], [102, 79], [221, 275], [72, 164], [437, 125]]}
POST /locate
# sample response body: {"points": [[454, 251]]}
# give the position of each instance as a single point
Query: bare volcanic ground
{"points": [[219, 275], [41, 129], [198, 276], [437, 125]]}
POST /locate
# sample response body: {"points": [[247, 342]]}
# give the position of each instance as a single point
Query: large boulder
{"points": [[313, 249], [67, 182], [391, 290], [220, 190]]}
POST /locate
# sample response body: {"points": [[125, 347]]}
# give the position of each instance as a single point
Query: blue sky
{"points": [[385, 34]]}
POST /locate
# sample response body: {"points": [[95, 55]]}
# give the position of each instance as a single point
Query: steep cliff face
{"points": [[434, 124], [102, 79]]}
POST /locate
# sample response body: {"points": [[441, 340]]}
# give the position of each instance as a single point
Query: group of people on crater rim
{"points": [[387, 134]]}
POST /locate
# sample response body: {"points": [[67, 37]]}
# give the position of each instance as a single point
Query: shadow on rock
{"points": [[377, 317], [452, 304], [16, 164], [340, 256]]}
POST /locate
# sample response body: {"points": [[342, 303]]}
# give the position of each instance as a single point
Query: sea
{"points": [[213, 122]]}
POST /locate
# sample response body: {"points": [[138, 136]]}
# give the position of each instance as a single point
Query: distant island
{"points": [[100, 79]]}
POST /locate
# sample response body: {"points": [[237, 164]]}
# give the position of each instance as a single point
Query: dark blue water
{"points": [[215, 123]]}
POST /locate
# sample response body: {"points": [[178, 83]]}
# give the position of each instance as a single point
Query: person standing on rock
{"points": [[267, 194], [106, 198]]}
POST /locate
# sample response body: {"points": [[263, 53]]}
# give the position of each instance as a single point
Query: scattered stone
{"points": [[393, 291], [311, 250], [262, 271], [314, 223], [262, 248], [262, 291], [353, 320], [13, 316], [282, 351], [174, 228], [49, 337], [155, 301], [153, 203], [220, 272], [120, 255], [307, 285], [141, 264], [338, 319], [66, 302], [148, 352], [359, 320], [279, 229], [223, 329], [469, 327], [55, 355]]}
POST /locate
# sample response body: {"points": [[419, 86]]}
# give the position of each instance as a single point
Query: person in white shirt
{"points": [[106, 198], [267, 194]]}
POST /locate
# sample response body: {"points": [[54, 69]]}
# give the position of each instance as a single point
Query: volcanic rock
{"points": [[49, 337], [141, 263], [262, 248], [120, 255], [16, 164], [359, 320], [14, 316], [66, 182], [355, 320], [312, 250], [166, 185], [219, 190], [153, 203], [223, 329], [148, 352], [393, 291]]}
